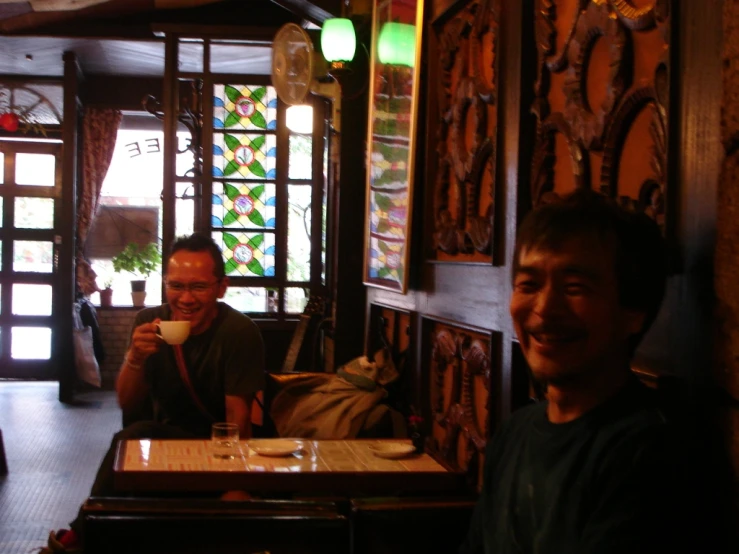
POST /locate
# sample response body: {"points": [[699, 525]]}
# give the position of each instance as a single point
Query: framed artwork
{"points": [[396, 53]]}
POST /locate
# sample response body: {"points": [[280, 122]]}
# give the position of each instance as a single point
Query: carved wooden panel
{"points": [[392, 328], [466, 123], [462, 366], [602, 100]]}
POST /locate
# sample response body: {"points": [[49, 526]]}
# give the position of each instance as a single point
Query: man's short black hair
{"points": [[635, 240], [198, 242]]}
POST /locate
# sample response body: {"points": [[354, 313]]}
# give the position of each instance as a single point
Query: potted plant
{"points": [[106, 294], [140, 261]]}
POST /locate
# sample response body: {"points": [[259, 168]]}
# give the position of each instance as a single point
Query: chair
{"points": [[400, 525], [190, 526], [3, 460]]}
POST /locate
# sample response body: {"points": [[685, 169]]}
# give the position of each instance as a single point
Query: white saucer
{"points": [[393, 450], [275, 447]]}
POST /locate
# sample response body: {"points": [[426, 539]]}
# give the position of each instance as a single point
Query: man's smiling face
{"points": [[193, 289], [566, 311]]}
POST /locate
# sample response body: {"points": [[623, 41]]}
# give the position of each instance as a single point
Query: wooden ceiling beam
{"points": [[315, 11], [37, 20]]}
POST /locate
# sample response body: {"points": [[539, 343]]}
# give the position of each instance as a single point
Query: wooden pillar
{"points": [[68, 205], [727, 237]]}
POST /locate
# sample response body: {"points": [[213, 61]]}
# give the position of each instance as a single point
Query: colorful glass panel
{"points": [[31, 299], [301, 157], [30, 343], [295, 300], [184, 219], [33, 256], [244, 107], [248, 299], [247, 254], [35, 169], [34, 213], [185, 157], [190, 55], [298, 232], [244, 156], [244, 206]]}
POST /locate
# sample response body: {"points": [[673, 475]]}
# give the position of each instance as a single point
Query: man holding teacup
{"points": [[190, 362]]}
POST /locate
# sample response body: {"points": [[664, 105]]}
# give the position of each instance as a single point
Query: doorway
{"points": [[30, 239]]}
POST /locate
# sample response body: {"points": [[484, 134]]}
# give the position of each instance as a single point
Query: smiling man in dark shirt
{"points": [[220, 369], [595, 467]]}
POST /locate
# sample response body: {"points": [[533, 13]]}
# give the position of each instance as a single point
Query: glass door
{"points": [[30, 219]]}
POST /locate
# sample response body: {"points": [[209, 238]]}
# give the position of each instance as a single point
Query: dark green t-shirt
{"points": [[226, 359], [603, 483]]}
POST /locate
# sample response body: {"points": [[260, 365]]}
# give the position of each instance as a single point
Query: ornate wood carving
{"points": [[546, 33], [651, 192], [542, 166], [485, 23], [447, 232], [587, 128], [467, 99], [643, 18], [454, 399], [465, 145], [588, 122], [550, 60], [479, 227]]}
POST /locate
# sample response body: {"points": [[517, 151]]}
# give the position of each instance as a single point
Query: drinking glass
{"points": [[225, 439]]}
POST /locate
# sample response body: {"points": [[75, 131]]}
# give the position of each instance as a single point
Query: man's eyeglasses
{"points": [[194, 288]]}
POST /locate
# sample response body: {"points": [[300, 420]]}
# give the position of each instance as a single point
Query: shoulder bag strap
{"points": [[180, 358]]}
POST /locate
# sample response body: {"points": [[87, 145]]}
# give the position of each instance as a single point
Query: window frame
{"points": [[203, 185]]}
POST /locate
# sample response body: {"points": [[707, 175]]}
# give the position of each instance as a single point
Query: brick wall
{"points": [[115, 327]]}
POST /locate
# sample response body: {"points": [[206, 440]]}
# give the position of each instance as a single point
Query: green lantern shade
{"points": [[338, 41], [397, 44]]}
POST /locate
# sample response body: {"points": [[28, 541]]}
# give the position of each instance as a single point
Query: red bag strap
{"points": [[182, 367]]}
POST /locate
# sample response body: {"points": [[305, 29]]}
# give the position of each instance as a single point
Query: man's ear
{"points": [[222, 286]]}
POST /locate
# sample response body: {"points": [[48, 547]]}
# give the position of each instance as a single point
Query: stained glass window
{"points": [[31, 299], [247, 254], [33, 256], [295, 300], [185, 158], [244, 107], [35, 169], [261, 221], [298, 232], [34, 213], [244, 156], [184, 209], [301, 157], [242, 205], [30, 343], [249, 299]]}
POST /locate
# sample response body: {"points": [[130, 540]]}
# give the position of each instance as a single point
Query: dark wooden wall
{"points": [[621, 97]]}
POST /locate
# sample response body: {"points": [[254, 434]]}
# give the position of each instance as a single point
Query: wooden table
{"points": [[326, 466]]}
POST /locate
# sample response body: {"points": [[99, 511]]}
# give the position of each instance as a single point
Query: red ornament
{"points": [[9, 122]]}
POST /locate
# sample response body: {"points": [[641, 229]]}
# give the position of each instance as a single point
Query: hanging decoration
{"points": [[26, 108]]}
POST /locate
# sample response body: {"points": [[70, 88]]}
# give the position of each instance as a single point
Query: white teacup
{"points": [[173, 332]]}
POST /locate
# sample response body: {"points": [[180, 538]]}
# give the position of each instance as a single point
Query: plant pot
{"points": [[138, 285], [106, 298], [138, 299]]}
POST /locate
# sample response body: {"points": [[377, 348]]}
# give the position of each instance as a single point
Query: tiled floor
{"points": [[53, 452]]}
